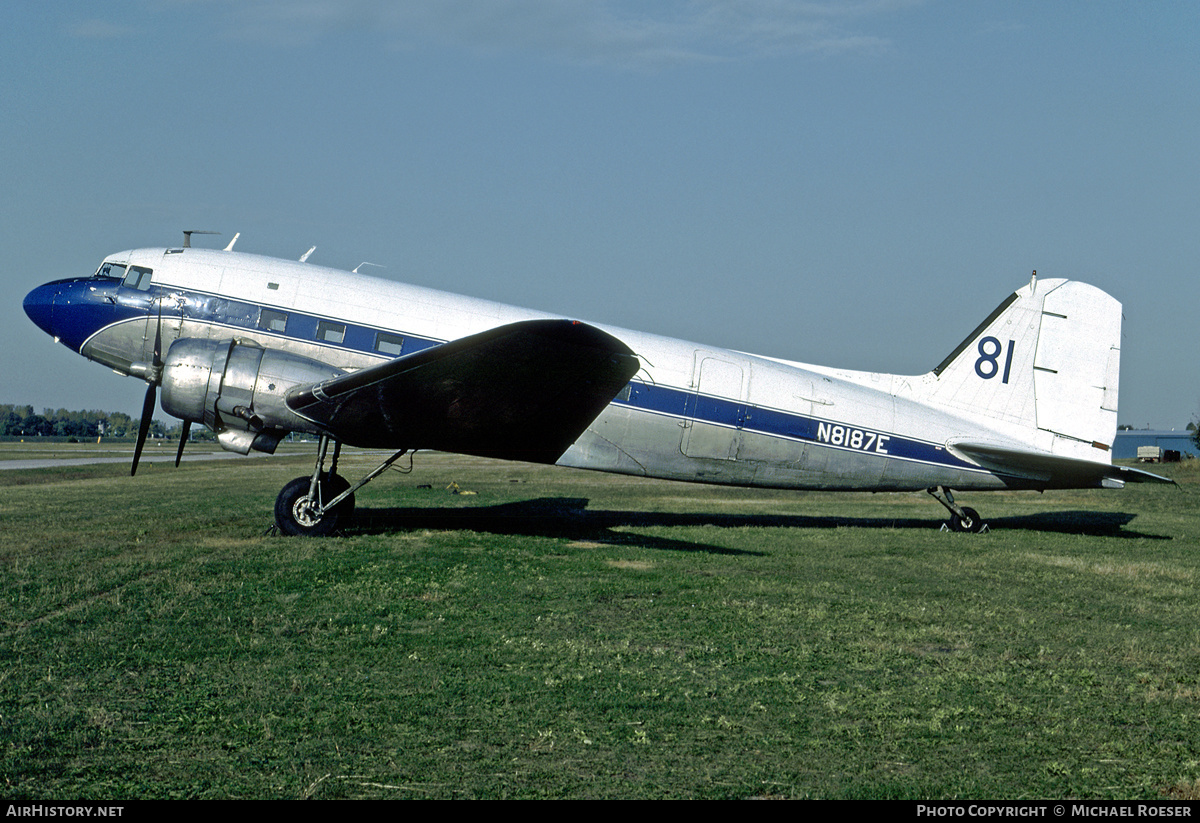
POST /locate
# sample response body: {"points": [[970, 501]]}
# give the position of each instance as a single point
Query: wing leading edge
{"points": [[524, 391], [1035, 469]]}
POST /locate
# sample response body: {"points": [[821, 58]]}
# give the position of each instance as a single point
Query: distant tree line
{"points": [[23, 421]]}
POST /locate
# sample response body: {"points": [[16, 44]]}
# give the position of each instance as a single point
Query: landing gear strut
{"points": [[962, 518], [320, 504]]}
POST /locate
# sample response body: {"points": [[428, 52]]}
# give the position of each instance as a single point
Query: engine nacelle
{"points": [[237, 389]]}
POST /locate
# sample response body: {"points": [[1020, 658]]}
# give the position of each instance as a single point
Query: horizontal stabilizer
{"points": [[1043, 470]]}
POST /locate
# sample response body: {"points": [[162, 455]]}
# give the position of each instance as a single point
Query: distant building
{"points": [[1126, 445]]}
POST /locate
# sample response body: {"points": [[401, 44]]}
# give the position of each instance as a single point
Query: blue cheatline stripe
{"points": [[645, 397], [301, 326], [203, 307], [674, 402]]}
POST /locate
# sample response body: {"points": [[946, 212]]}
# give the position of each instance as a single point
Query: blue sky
{"points": [[851, 183]]}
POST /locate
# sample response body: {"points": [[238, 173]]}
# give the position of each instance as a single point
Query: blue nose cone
{"points": [[39, 305]]}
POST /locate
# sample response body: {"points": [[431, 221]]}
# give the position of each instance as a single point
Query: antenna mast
{"points": [[187, 236]]}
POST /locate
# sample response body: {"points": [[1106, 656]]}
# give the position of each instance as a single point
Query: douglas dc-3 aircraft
{"points": [[255, 347]]}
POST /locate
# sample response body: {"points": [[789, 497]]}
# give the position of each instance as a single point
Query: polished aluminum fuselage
{"points": [[694, 412]]}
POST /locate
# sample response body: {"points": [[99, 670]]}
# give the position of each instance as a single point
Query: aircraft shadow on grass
{"points": [[1097, 524], [570, 518]]}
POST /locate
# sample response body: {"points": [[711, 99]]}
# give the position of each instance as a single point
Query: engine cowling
{"points": [[236, 388]]}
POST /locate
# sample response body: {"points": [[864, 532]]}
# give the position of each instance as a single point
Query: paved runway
{"points": [[106, 457]]}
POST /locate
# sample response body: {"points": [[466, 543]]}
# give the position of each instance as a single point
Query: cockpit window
{"points": [[114, 270], [138, 278]]}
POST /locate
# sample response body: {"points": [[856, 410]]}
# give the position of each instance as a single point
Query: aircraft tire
{"points": [[292, 517], [972, 523]]}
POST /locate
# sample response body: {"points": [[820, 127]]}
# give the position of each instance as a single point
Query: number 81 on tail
{"points": [[988, 365]]}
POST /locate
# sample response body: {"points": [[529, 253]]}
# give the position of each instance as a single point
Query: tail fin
{"points": [[1047, 359]]}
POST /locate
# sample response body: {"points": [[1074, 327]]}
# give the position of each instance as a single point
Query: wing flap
{"points": [[1045, 470], [524, 391]]}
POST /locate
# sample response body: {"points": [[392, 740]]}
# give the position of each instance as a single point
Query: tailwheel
{"points": [[970, 521], [300, 514], [962, 518]]}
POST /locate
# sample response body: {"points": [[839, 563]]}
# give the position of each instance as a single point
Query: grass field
{"points": [[565, 634]]}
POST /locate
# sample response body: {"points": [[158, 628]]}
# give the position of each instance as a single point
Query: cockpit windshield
{"points": [[111, 270]]}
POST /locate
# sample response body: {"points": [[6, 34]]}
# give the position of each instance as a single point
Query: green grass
{"points": [[566, 634]]}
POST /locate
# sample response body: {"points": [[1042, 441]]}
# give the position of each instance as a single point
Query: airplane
{"points": [[254, 347]]}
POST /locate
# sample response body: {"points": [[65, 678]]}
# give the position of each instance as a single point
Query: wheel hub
{"points": [[305, 513]]}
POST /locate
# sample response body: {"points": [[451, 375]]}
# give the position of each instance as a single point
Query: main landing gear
{"points": [[962, 518], [320, 504]]}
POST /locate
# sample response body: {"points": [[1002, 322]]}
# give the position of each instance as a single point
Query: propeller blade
{"points": [[183, 436], [144, 425], [148, 405]]}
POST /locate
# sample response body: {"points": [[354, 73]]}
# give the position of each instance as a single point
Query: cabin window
{"points": [[386, 343], [331, 332], [138, 278], [271, 320]]}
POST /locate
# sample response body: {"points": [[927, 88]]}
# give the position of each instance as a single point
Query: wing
{"points": [[1045, 470], [525, 391]]}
